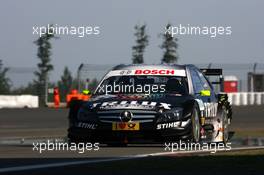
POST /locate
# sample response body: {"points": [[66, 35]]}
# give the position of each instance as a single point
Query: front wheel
{"points": [[196, 127]]}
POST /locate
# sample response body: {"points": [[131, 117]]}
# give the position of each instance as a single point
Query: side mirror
{"points": [[205, 93], [86, 92]]}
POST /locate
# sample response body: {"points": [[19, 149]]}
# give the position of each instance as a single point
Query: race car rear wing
{"points": [[216, 73]]}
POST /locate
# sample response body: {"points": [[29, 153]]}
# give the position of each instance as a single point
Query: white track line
{"points": [[69, 163], [202, 151]]}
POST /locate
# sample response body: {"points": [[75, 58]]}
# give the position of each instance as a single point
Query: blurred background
{"points": [[34, 69]]}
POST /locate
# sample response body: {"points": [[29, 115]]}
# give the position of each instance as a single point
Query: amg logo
{"points": [[86, 125], [154, 72]]}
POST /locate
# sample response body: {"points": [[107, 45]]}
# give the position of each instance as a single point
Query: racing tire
{"points": [[225, 126], [195, 126], [74, 108]]}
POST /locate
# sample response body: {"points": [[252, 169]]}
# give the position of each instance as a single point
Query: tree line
{"points": [[67, 81], [169, 45]]}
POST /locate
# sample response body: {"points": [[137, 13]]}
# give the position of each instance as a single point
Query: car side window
{"points": [[197, 83], [205, 84]]}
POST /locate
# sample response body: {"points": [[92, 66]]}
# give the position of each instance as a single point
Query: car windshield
{"points": [[143, 85]]}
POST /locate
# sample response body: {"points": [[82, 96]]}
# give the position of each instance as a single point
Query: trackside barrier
{"points": [[30, 101], [19, 101], [246, 98]]}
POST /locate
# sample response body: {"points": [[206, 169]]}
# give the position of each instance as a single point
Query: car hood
{"points": [[144, 102]]}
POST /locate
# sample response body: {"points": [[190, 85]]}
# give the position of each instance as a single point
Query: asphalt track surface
{"points": [[53, 122], [157, 163], [44, 122]]}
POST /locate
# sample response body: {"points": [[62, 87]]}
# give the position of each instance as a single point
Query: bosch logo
{"points": [[126, 116], [154, 72]]}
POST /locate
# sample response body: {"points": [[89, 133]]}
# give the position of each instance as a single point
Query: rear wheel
{"points": [[225, 127], [196, 127], [226, 115]]}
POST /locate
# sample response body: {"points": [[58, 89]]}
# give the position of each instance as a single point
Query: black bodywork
{"points": [[88, 123], [139, 118]]}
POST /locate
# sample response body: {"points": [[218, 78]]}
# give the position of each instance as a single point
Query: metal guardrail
{"points": [[246, 98]]}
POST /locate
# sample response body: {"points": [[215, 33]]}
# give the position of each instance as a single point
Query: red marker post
{"points": [[56, 97]]}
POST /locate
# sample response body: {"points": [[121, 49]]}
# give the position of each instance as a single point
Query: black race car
{"points": [[139, 103]]}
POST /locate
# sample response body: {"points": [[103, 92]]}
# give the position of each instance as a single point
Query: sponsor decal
{"points": [[129, 104], [207, 109], [139, 72], [154, 72], [210, 109], [86, 125], [168, 125], [125, 126], [125, 72]]}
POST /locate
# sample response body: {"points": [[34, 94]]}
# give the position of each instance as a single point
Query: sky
{"points": [[117, 18]]}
